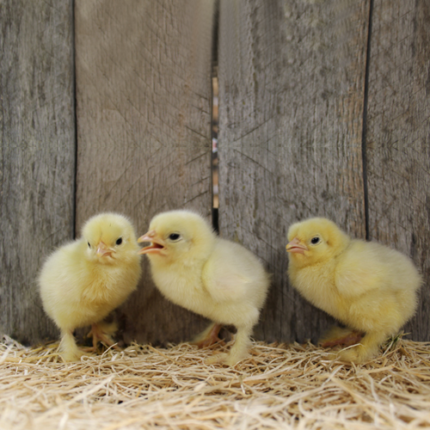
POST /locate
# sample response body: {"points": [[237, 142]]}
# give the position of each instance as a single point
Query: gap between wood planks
{"points": [[364, 129], [215, 121]]}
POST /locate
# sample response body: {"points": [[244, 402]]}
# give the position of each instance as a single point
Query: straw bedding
{"points": [[278, 387]]}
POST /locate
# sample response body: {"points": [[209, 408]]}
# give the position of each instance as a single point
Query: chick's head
{"points": [[178, 235], [110, 238], [315, 240]]}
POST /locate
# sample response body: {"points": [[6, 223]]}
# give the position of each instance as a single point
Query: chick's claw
{"points": [[217, 359]]}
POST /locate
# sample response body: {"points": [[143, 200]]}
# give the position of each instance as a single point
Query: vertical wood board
{"points": [[143, 113], [291, 102], [398, 139], [37, 154]]}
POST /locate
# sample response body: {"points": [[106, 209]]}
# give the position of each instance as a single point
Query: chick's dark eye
{"points": [[119, 241], [315, 240], [89, 245], [174, 236]]}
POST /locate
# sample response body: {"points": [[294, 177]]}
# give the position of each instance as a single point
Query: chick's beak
{"points": [[157, 244], [103, 250], [296, 246]]}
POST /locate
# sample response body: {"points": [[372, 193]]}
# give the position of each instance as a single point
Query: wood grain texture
{"points": [[398, 140], [291, 102], [143, 113], [37, 154]]}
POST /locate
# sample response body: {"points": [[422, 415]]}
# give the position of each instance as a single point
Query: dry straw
{"points": [[278, 387]]}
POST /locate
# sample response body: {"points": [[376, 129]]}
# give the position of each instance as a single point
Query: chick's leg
{"points": [[383, 320], [366, 350], [102, 332], [208, 337], [241, 345], [238, 351], [68, 348]]}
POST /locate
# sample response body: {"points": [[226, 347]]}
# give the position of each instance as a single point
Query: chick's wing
{"points": [[360, 269], [228, 272]]}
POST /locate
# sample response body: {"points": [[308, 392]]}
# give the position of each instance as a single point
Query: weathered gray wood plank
{"points": [[143, 114], [291, 101], [398, 140], [37, 154]]}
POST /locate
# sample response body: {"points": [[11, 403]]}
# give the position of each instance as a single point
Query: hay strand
{"points": [[278, 387]]}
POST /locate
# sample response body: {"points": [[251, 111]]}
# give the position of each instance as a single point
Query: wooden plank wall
{"points": [[316, 118], [37, 154], [143, 72], [398, 137], [294, 91]]}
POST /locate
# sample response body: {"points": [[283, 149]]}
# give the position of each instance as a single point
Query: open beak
{"points": [[296, 246], [103, 250], [157, 245]]}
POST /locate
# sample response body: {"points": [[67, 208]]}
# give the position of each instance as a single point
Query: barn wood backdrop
{"points": [[324, 109]]}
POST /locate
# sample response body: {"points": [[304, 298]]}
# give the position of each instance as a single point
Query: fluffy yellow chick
{"points": [[213, 277], [367, 286], [81, 282]]}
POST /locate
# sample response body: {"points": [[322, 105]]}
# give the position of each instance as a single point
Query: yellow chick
{"points": [[81, 282], [367, 286], [210, 276]]}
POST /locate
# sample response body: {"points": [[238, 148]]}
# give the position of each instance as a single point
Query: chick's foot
{"points": [[101, 332], [366, 350], [339, 336], [358, 354], [68, 349], [215, 359], [208, 337], [238, 351], [72, 355]]}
